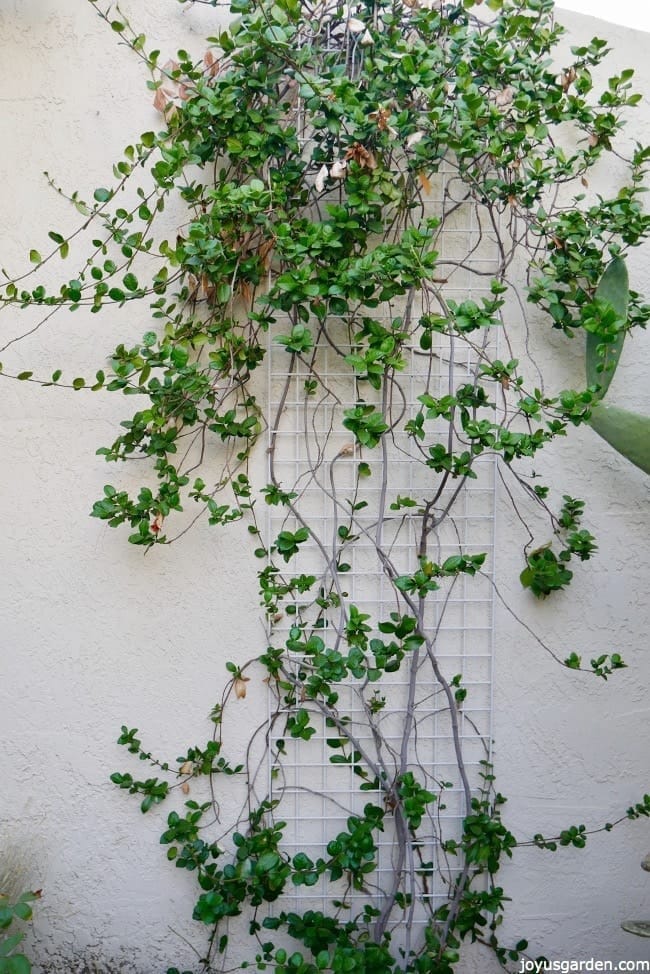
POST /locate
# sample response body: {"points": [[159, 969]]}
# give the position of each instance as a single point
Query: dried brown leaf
{"points": [[246, 292], [264, 251], [381, 117], [161, 100], [362, 156], [567, 78]]}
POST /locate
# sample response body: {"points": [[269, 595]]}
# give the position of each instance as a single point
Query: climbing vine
{"points": [[323, 156]]}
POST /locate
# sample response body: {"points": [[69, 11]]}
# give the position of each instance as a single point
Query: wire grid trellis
{"points": [[315, 456], [312, 454]]}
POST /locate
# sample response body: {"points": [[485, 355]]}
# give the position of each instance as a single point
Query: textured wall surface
{"points": [[571, 749], [94, 635]]}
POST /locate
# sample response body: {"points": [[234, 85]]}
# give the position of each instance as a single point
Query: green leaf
{"points": [[23, 910], [102, 195], [267, 862], [18, 964], [35, 257], [7, 944], [613, 288], [627, 432]]}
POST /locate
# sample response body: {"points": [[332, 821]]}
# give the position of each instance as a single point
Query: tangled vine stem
{"points": [[325, 157]]}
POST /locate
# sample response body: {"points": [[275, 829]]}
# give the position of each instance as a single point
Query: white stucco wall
{"points": [[572, 750], [94, 635], [630, 13]]}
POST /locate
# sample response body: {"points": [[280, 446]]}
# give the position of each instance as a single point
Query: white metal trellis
{"points": [[315, 456]]}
